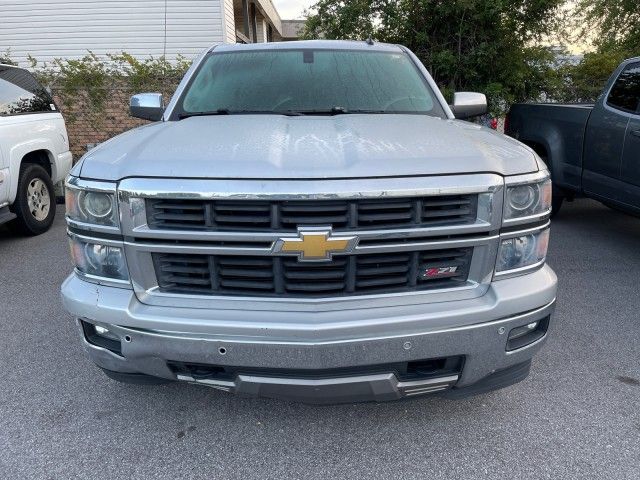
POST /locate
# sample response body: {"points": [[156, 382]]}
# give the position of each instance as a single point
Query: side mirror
{"points": [[469, 104], [148, 106]]}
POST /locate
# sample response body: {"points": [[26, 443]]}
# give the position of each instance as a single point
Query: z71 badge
{"points": [[439, 272]]}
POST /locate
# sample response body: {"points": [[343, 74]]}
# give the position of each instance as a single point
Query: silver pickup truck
{"points": [[309, 221]]}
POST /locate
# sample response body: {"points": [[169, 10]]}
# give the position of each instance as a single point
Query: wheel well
{"points": [[38, 157]]}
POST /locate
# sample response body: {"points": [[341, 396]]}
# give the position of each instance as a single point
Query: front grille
{"points": [[267, 216], [275, 276]]}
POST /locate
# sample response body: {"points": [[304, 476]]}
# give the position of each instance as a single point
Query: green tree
{"points": [[585, 81], [490, 46], [616, 23]]}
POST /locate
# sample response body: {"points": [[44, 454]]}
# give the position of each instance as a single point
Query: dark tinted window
{"points": [[271, 81], [21, 93], [625, 94]]}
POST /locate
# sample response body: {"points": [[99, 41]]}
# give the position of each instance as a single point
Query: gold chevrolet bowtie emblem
{"points": [[315, 244]]}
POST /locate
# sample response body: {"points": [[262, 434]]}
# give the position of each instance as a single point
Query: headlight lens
{"points": [[88, 206], [523, 251], [528, 200], [99, 260]]}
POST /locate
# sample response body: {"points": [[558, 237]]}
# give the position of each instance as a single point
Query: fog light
{"points": [[101, 337], [521, 331], [104, 332], [526, 334]]}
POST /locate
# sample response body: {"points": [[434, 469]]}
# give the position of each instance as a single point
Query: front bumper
{"points": [[153, 338]]}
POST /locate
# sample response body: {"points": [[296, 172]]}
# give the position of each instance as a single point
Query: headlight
{"points": [[528, 200], [522, 251], [98, 259], [95, 206]]}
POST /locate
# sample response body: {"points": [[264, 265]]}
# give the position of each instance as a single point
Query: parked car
{"points": [[34, 151], [307, 220], [591, 150]]}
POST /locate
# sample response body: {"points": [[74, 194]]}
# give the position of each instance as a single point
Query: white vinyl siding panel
{"points": [[48, 29], [230, 22]]}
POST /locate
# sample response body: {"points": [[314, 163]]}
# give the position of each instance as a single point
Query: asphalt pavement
{"points": [[576, 416]]}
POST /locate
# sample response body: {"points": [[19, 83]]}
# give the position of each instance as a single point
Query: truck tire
{"points": [[35, 204]]}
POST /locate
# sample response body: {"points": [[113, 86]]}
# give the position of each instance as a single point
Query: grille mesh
{"points": [[261, 216], [274, 276]]}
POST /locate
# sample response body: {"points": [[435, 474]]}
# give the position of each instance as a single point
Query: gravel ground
{"points": [[576, 416]]}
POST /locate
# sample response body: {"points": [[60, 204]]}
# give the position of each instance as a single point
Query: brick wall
{"points": [[87, 125]]}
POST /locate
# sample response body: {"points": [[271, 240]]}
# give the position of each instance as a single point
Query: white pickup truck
{"points": [[34, 151]]}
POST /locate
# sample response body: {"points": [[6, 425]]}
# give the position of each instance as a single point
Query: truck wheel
{"points": [[35, 204]]}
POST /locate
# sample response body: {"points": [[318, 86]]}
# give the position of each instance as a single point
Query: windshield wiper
{"points": [[289, 113], [220, 111], [332, 111], [226, 111]]}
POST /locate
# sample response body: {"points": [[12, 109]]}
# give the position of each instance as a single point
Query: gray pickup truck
{"points": [[309, 220], [591, 150]]}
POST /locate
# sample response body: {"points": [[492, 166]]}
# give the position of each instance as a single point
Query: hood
{"points": [[307, 147]]}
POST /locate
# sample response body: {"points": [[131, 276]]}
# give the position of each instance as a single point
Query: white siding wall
{"points": [[230, 22], [49, 29]]}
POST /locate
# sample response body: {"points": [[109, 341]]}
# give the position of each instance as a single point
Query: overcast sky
{"points": [[290, 9]]}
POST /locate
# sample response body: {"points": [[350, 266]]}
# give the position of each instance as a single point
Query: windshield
{"points": [[304, 81]]}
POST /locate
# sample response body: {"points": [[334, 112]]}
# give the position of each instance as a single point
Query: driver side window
{"points": [[625, 94]]}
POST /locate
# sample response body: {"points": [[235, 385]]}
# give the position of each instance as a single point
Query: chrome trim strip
{"points": [[519, 271], [515, 180], [144, 232], [329, 189], [386, 384], [525, 231], [94, 185], [205, 249], [91, 227], [109, 282], [530, 219], [98, 240]]}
